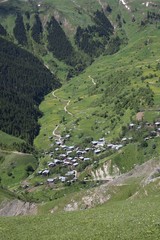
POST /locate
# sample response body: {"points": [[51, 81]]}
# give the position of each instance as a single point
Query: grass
{"points": [[9, 140], [138, 219], [13, 167], [89, 102], [5, 195]]}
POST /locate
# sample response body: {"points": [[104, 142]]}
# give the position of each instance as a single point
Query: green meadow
{"points": [[138, 219]]}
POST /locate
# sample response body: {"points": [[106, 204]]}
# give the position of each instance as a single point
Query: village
{"points": [[71, 160]]}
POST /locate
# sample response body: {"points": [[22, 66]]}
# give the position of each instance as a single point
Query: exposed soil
{"points": [[17, 208], [146, 173], [139, 116]]}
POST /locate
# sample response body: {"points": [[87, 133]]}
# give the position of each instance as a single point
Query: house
{"points": [[69, 152], [101, 140], [58, 143], [75, 164], [45, 172], [62, 156], [51, 164], [39, 172], [87, 149], [97, 151], [94, 142], [57, 161], [153, 133], [67, 136], [70, 173], [157, 124], [124, 139], [63, 179], [70, 148], [69, 158], [50, 180], [100, 144], [110, 145], [66, 163], [117, 147], [63, 146], [131, 125]]}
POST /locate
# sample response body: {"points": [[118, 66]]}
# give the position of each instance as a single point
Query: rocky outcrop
{"points": [[17, 208], [104, 172]]}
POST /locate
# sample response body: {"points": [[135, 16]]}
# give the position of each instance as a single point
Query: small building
{"points": [[62, 178], [50, 180], [157, 124], [75, 164], [70, 173], [45, 172], [131, 125], [51, 164], [97, 151], [57, 161], [94, 142]]}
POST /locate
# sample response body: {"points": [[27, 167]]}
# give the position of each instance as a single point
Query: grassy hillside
{"points": [[115, 98], [120, 220], [9, 140], [5, 195], [105, 98], [15, 167]]}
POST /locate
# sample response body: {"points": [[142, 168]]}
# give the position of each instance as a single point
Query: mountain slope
{"points": [[24, 81]]}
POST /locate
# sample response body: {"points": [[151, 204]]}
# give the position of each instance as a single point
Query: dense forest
{"points": [[37, 29], [24, 81], [92, 40], [58, 42], [19, 30], [3, 31]]}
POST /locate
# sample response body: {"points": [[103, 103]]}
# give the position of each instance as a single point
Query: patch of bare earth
{"points": [[139, 116], [17, 208], [145, 173]]}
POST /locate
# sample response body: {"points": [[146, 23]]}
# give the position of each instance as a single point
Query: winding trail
{"points": [[94, 83], [53, 94], [56, 135], [65, 107]]}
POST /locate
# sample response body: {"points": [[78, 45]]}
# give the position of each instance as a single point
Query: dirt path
{"points": [[67, 104], [15, 152], [65, 108], [56, 135], [53, 94], [94, 83]]}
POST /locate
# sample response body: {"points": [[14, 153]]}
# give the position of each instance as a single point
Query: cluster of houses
{"points": [[153, 129], [71, 156]]}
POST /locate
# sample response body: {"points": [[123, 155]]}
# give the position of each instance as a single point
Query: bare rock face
{"points": [[17, 208]]}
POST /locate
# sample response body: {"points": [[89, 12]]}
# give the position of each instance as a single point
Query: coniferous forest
{"points": [[24, 81]]}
